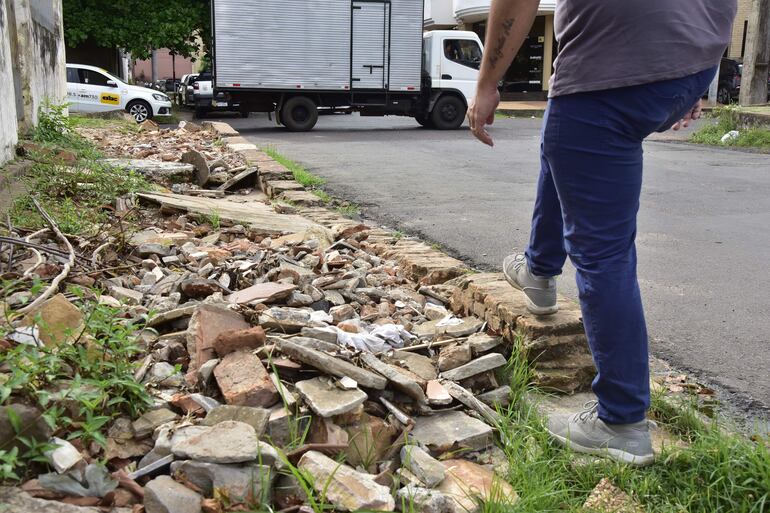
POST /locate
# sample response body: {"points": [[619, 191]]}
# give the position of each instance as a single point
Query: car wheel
{"points": [[448, 113], [140, 110], [424, 120], [299, 114], [723, 95]]}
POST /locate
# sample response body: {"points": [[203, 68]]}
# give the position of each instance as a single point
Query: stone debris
{"points": [[344, 487], [301, 338]]}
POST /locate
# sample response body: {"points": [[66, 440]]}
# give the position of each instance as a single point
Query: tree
{"points": [[755, 63], [139, 26]]}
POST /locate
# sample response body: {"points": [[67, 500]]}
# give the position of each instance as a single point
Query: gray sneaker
{"points": [[585, 432], [540, 291]]}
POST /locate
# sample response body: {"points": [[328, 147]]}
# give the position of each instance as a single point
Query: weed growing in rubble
{"points": [[79, 385], [323, 195], [350, 210], [717, 471]]}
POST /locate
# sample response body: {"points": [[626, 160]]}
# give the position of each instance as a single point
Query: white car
{"points": [[92, 89]]}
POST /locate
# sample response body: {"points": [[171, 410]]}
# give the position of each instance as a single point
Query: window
{"points": [[463, 51], [72, 76], [92, 77]]}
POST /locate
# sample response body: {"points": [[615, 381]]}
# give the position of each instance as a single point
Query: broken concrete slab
{"points": [[427, 469], [468, 483], [345, 488], [171, 172], [239, 482], [146, 424], [225, 442], [198, 161], [451, 430], [479, 365], [262, 292], [399, 380], [259, 217], [331, 365], [255, 417], [246, 178], [327, 400], [285, 319], [164, 495]]}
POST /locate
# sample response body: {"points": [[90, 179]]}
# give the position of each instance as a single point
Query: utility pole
{"points": [[755, 62]]}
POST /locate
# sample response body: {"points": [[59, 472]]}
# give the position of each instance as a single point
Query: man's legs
{"points": [[593, 146]]}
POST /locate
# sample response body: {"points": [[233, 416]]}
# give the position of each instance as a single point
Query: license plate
{"points": [[221, 104]]}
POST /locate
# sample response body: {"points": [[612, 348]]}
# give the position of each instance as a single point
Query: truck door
{"points": [[460, 63], [370, 43]]}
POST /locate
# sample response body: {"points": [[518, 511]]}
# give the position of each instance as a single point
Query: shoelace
{"points": [[590, 410], [519, 261]]}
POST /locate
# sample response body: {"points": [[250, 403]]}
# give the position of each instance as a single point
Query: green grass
{"points": [[726, 120], [77, 196], [718, 471], [301, 175], [350, 210]]}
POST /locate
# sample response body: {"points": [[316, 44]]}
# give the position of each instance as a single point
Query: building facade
{"points": [[529, 74], [166, 66], [738, 42]]}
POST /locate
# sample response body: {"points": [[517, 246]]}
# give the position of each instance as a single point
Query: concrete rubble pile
{"points": [[300, 351], [185, 158], [288, 369]]}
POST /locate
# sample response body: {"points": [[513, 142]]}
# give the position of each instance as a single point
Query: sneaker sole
{"points": [[615, 454], [532, 307]]}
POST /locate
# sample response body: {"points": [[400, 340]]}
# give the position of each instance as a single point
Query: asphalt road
{"points": [[703, 240]]}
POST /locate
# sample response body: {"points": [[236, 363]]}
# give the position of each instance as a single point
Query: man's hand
{"points": [[692, 115], [482, 113]]}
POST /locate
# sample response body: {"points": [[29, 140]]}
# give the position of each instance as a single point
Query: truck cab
{"points": [[452, 58]]}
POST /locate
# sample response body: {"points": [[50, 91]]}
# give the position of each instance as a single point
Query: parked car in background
{"points": [[204, 100], [92, 89], [184, 94], [729, 81]]}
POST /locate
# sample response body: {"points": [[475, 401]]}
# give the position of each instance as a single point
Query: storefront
{"points": [[528, 75]]}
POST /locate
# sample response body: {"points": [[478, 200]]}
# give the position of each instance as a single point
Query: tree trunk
{"points": [[755, 63]]}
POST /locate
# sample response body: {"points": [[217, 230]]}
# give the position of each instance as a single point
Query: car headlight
{"points": [[160, 97]]}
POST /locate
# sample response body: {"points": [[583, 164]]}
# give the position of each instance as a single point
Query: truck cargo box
{"points": [[317, 45]]}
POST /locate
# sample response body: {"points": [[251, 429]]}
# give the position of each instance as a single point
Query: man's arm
{"points": [[509, 24]]}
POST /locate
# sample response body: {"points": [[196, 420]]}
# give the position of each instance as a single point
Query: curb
{"points": [[555, 345]]}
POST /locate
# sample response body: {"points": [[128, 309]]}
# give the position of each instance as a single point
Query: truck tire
{"points": [[424, 120], [448, 113], [140, 110], [299, 114]]}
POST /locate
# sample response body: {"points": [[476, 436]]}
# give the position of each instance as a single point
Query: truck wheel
{"points": [[140, 109], [424, 120], [448, 113], [299, 114]]}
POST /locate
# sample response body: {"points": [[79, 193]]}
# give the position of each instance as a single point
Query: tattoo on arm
{"points": [[497, 53]]}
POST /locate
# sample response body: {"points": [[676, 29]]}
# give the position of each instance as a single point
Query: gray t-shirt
{"points": [[604, 44]]}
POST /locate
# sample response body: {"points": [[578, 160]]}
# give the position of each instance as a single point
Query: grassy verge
{"points": [[717, 471], [726, 120], [68, 178], [301, 175], [313, 183]]}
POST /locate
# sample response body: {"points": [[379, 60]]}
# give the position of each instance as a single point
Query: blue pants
{"points": [[587, 201]]}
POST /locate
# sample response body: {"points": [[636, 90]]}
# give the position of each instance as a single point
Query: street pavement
{"points": [[703, 240]]}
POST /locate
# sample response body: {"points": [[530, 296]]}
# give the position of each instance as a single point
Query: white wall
{"points": [[8, 126], [32, 47]]}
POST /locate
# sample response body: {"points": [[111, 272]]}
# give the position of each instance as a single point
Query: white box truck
{"points": [[299, 58]]}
